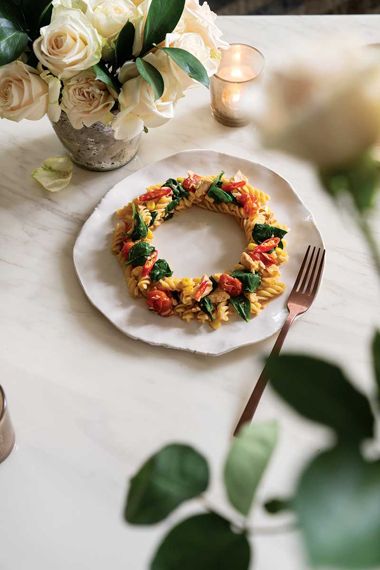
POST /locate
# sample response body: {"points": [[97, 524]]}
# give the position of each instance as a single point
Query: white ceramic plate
{"points": [[195, 242]]}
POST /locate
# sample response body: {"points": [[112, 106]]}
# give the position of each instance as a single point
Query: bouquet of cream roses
{"points": [[119, 62]]}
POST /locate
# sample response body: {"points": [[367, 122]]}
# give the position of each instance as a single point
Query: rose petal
{"points": [[54, 174]]}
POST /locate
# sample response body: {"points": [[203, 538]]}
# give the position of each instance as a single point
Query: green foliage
{"points": [[139, 253], [140, 229], [102, 74], [175, 474], [203, 542], [154, 215], [178, 190], [338, 507], [124, 44], [163, 16], [160, 270], [247, 460], [189, 64], [251, 281], [152, 76], [13, 40], [37, 13], [376, 359], [169, 210], [320, 392], [207, 307], [262, 232], [220, 196], [242, 306]]}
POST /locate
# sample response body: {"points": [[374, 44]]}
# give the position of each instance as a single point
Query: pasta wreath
{"points": [[211, 299]]}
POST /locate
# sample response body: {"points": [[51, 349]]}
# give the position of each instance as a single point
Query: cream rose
{"points": [[86, 100], [200, 19], [69, 44], [324, 106], [109, 16], [138, 108], [23, 94]]}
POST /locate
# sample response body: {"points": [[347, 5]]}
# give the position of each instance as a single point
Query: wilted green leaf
{"points": [[247, 460], [189, 64], [54, 174], [175, 474], [376, 359], [338, 508], [13, 40], [151, 76], [124, 44], [203, 542], [163, 16], [320, 391]]}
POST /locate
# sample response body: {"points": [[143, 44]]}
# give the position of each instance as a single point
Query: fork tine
{"points": [[318, 277], [307, 272], [309, 285], [298, 279]]}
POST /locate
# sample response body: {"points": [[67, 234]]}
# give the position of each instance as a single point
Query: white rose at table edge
{"points": [[86, 100], [69, 44], [23, 93], [323, 107], [139, 109], [108, 18]]}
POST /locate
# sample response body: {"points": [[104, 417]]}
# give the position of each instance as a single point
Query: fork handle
{"points": [[258, 390]]}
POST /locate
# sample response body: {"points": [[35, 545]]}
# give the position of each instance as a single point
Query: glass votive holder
{"points": [[7, 434], [232, 88]]}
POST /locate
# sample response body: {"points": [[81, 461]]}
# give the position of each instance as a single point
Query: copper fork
{"points": [[300, 300]]}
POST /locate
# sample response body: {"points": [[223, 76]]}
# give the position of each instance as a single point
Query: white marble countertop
{"points": [[88, 403]]}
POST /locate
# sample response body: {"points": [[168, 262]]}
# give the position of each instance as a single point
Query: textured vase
{"points": [[95, 147]]}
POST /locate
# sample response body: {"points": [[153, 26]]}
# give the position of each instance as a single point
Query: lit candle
{"points": [[232, 86]]}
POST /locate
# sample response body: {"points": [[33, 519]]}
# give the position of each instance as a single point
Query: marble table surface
{"points": [[89, 404]]}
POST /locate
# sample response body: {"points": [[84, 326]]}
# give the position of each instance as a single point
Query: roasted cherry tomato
{"points": [[203, 289], [191, 183], [155, 194], [249, 204], [146, 270], [267, 245], [127, 246], [230, 285], [230, 186], [160, 302]]}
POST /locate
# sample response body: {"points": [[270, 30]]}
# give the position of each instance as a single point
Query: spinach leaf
{"points": [[220, 195], [139, 253], [160, 270], [170, 207], [262, 232], [178, 190], [154, 215], [218, 179], [242, 307], [140, 229], [207, 307], [250, 281]]}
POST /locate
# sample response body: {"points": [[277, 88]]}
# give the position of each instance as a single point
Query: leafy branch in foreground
{"points": [[178, 473]]}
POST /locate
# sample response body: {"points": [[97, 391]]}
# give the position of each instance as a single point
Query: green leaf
{"points": [[242, 306], [275, 506], [189, 64], [203, 542], [37, 14], [178, 190], [247, 460], [207, 307], [160, 270], [154, 215], [376, 359], [140, 229], [175, 474], [320, 391], [163, 16], [170, 207], [250, 281], [151, 76], [13, 41], [139, 253], [219, 195], [124, 44], [338, 507], [102, 74], [262, 232]]}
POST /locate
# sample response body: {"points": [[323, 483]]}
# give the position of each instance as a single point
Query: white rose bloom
{"points": [[139, 23], [69, 44], [54, 86], [194, 44], [324, 106], [23, 94], [76, 4], [109, 16], [86, 100], [138, 108], [200, 19]]}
